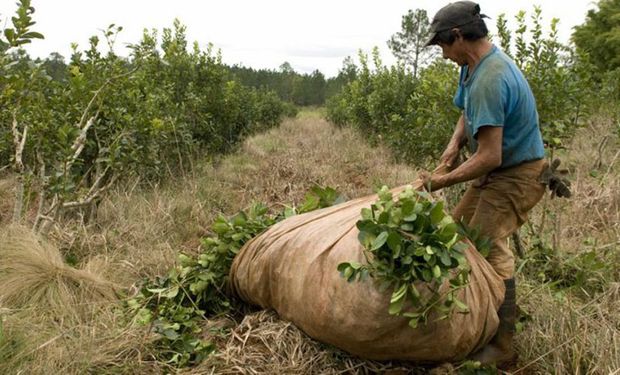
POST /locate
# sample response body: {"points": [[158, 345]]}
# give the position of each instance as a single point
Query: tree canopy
{"points": [[599, 35], [407, 45]]}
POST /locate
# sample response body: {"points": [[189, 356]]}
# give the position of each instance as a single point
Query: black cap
{"points": [[454, 15]]}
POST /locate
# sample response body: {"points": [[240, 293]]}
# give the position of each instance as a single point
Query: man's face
{"points": [[454, 51]]}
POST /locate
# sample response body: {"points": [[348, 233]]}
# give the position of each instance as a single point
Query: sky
{"points": [[309, 35]]}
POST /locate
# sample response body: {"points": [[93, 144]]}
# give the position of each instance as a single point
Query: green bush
{"points": [[413, 116], [110, 117], [561, 79]]}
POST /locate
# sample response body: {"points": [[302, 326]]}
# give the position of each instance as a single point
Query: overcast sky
{"points": [[310, 35]]}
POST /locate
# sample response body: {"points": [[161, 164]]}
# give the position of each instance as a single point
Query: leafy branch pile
{"points": [[410, 245], [177, 304]]}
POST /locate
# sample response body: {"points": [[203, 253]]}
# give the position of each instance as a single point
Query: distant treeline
{"points": [[300, 89], [293, 87]]}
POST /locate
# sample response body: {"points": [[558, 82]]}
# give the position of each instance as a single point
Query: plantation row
{"points": [[146, 111], [71, 130]]}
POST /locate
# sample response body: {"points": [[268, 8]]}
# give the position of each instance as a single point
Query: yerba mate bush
{"points": [[550, 68], [411, 244], [70, 139], [414, 116]]}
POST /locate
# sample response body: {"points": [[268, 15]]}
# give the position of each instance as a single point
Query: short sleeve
{"points": [[459, 96]]}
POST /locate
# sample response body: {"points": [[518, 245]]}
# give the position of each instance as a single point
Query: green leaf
{"points": [[220, 226], [407, 207], [437, 213], [399, 294], [363, 275], [420, 251], [414, 291], [170, 334], [355, 265], [445, 259], [396, 307], [198, 286], [407, 227], [385, 194], [144, 316], [238, 236], [394, 243], [412, 315], [310, 204], [427, 275], [460, 246], [366, 239], [343, 266], [348, 273], [367, 214], [410, 218], [448, 232], [33, 35], [10, 35], [239, 220], [368, 226], [436, 272], [461, 305], [289, 212], [384, 217], [379, 241], [395, 216], [171, 293]]}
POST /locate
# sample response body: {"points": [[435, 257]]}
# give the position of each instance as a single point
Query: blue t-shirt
{"points": [[497, 94]]}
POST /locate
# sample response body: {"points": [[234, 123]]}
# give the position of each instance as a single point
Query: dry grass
{"points": [[7, 197], [577, 331], [56, 318], [284, 163], [567, 335], [33, 274], [594, 211], [263, 344], [139, 231]]}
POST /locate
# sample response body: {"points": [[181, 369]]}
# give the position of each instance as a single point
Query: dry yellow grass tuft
{"points": [[33, 274], [55, 318]]}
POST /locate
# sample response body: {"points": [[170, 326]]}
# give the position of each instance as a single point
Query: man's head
{"points": [[461, 19]]}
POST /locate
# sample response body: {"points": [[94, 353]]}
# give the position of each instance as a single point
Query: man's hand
{"points": [[431, 182], [449, 156]]}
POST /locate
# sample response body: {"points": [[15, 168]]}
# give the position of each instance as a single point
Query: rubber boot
{"points": [[499, 351]]}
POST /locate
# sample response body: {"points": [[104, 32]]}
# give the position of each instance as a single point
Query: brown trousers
{"points": [[498, 204]]}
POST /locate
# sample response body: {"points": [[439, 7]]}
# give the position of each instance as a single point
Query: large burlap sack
{"points": [[291, 268]]}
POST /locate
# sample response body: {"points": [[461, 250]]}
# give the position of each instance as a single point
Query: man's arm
{"points": [[487, 157], [457, 141]]}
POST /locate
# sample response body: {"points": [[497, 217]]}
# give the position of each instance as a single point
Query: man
{"points": [[499, 122]]}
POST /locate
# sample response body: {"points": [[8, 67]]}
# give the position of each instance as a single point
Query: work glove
{"points": [[555, 180]]}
